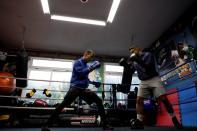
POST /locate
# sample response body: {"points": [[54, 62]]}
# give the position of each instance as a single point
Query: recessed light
{"points": [[84, 1]]}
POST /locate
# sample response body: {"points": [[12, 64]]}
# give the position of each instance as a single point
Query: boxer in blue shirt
{"points": [[79, 88]]}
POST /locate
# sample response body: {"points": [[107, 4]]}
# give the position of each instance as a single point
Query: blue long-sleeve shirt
{"points": [[80, 74]]}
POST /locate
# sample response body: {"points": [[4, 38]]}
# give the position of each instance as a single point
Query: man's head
{"points": [[88, 55], [135, 50]]}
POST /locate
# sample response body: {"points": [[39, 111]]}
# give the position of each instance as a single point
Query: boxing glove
{"points": [[133, 57], [96, 84], [46, 92], [94, 65], [123, 62], [31, 93], [40, 103]]}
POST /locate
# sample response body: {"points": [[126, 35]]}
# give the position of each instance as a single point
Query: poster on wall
{"points": [[177, 49], [163, 57], [185, 45]]}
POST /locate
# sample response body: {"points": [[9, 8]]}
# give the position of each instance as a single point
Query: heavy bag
{"points": [[21, 68], [128, 71]]}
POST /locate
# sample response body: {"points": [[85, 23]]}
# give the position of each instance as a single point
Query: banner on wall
{"points": [[182, 72], [163, 57]]}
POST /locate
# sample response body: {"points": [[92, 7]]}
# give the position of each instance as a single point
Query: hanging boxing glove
{"points": [[47, 93], [31, 93]]}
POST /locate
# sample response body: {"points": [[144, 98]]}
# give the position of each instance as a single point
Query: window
{"points": [[113, 75], [51, 63], [114, 68], [51, 74], [135, 80]]}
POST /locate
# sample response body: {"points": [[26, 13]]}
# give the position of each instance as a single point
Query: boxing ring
{"points": [[27, 113]]}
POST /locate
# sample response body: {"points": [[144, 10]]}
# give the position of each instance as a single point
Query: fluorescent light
{"points": [[113, 10], [78, 20], [45, 6]]}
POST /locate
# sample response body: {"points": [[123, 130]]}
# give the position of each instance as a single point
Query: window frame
{"points": [[48, 69], [30, 66]]}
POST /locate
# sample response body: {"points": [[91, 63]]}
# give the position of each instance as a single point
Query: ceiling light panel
{"points": [[113, 10], [112, 13], [78, 20], [93, 9], [45, 6]]}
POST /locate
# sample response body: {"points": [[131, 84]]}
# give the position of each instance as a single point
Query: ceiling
{"points": [[145, 20]]}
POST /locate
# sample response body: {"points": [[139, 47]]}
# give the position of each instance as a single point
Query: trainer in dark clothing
{"points": [[144, 64]]}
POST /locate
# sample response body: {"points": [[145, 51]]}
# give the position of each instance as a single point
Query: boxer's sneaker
{"points": [[107, 127], [45, 128], [137, 124]]}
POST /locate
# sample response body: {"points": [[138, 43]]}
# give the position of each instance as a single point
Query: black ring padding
{"points": [[3, 96], [118, 84], [119, 99], [51, 108], [68, 90], [100, 92], [57, 90], [33, 110], [46, 98], [29, 108], [95, 109], [45, 108], [58, 81]]}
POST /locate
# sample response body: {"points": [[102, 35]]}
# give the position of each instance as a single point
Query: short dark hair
{"points": [[89, 52], [133, 47]]}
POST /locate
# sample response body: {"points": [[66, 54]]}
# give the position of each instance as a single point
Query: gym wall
{"points": [[175, 53]]}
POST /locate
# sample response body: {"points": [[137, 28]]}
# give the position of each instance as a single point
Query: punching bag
{"points": [[128, 71], [21, 68], [7, 84]]}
